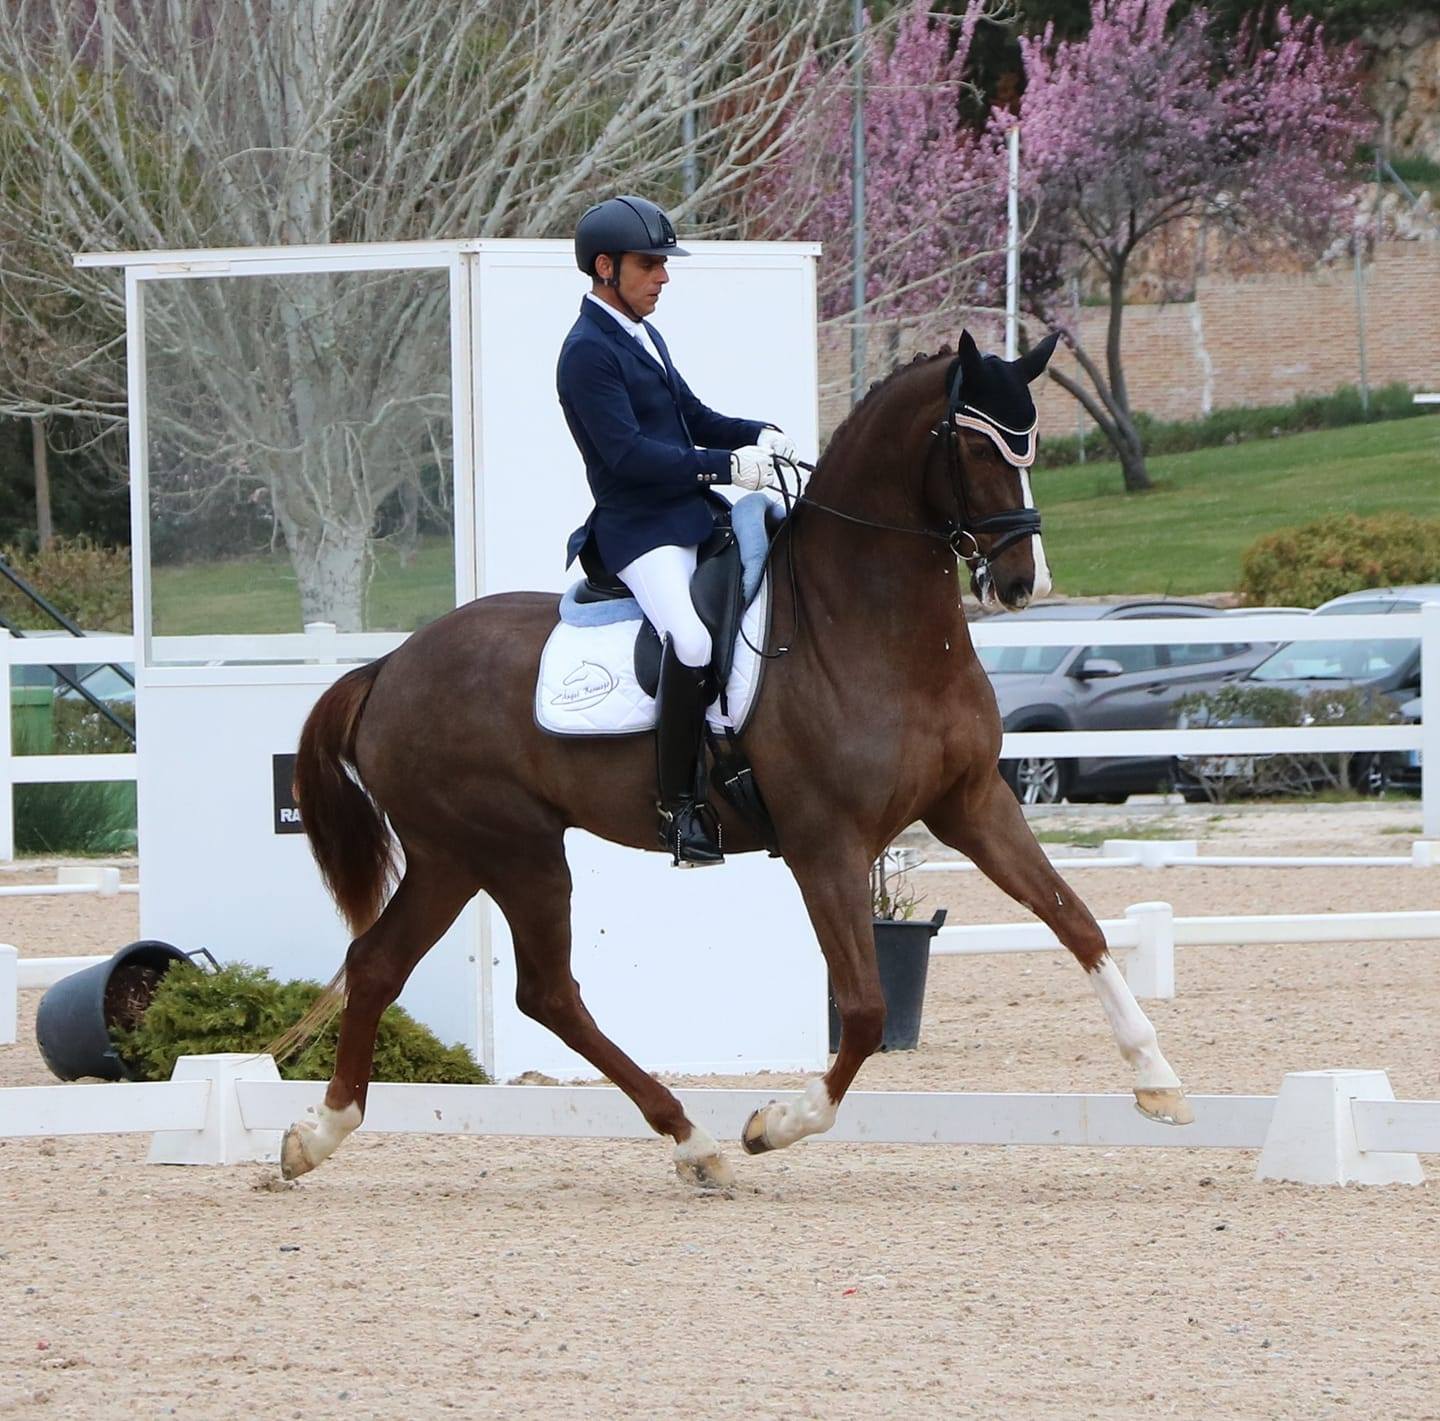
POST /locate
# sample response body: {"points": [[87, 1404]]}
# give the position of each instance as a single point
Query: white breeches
{"points": [[660, 580]]}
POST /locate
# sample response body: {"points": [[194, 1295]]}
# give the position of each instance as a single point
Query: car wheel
{"points": [[1035, 780]]}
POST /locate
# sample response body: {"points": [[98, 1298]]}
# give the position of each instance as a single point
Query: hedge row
{"points": [[1307, 565], [1236, 426]]}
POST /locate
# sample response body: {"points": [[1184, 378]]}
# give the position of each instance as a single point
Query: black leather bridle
{"points": [[959, 534]]}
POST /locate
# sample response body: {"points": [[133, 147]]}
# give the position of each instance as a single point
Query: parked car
{"points": [[1388, 671], [1106, 688]]}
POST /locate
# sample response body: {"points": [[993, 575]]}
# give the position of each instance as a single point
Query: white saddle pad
{"points": [[587, 682]]}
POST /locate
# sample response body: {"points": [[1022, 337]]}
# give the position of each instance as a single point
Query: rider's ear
{"points": [[1033, 362]]}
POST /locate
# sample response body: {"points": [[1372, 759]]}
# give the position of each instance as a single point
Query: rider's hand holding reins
{"points": [[777, 442], [753, 467]]}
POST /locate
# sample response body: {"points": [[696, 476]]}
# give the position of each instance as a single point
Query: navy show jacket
{"points": [[637, 427]]}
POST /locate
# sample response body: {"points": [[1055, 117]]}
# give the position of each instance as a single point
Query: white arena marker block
{"points": [[9, 993], [106, 881], [1311, 1139], [1150, 966], [1152, 853], [1425, 853], [224, 1138]]}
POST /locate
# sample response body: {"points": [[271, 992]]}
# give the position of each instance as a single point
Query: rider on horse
{"points": [[652, 450]]}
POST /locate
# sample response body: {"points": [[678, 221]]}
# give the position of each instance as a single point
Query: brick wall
{"points": [[1257, 340]]}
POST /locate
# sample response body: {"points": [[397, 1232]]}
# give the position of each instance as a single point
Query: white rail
{"points": [[1182, 853], [1323, 1127], [1150, 932]]}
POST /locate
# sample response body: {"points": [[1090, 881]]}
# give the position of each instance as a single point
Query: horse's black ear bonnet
{"points": [[992, 396]]}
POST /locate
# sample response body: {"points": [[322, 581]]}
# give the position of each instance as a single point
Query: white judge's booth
{"points": [[390, 412]]}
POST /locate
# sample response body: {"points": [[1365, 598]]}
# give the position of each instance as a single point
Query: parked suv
{"points": [[1107, 688], [1387, 670]]}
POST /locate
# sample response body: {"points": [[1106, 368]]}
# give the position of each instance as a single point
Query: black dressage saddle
{"points": [[718, 592]]}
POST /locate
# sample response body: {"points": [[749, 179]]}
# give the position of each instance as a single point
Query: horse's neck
{"points": [[883, 587]]}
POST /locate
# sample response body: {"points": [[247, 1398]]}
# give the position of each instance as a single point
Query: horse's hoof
{"points": [[753, 1136], [294, 1158], [708, 1172], [1168, 1106], [698, 1161]]}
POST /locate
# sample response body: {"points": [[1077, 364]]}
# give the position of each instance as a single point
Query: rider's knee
{"points": [[692, 644]]}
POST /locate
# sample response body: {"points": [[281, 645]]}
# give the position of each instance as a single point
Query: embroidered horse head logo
{"points": [[587, 685]]}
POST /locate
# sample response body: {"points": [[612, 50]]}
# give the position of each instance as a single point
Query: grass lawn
{"points": [[1208, 506], [253, 595]]}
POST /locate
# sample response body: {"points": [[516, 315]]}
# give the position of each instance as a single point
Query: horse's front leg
{"points": [[985, 822], [836, 889]]}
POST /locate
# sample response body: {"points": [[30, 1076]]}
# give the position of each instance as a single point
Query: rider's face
{"points": [[642, 278]]}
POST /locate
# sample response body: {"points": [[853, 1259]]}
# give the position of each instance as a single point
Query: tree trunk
{"points": [[40, 448], [1129, 447], [330, 567]]}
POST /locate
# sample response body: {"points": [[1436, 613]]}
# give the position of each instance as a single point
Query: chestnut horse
{"points": [[879, 715]]}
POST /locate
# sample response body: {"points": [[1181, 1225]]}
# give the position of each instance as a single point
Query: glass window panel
{"points": [[300, 452]]}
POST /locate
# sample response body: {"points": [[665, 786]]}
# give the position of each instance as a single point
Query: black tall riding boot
{"points": [[688, 826]]}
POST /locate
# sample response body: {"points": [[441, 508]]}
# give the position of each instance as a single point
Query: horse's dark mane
{"points": [[880, 385]]}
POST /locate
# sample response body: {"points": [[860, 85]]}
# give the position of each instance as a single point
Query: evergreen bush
{"points": [[243, 1008], [89, 583], [1313, 562]]}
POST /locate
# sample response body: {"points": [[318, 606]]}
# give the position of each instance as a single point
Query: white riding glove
{"points": [[777, 442], [753, 467]]}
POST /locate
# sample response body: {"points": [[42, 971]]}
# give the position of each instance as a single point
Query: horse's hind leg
{"points": [[377, 966], [988, 825], [533, 892]]}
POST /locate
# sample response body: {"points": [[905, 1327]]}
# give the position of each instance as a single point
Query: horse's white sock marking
{"points": [[329, 1129], [1134, 1034], [788, 1121], [700, 1147], [1043, 581]]}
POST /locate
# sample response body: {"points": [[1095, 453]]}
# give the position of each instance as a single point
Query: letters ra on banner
{"points": [[287, 812]]}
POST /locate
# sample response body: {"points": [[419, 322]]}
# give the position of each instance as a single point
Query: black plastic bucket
{"points": [[902, 953], [72, 1028]]}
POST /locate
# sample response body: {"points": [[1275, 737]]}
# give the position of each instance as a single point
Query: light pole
{"points": [[857, 206]]}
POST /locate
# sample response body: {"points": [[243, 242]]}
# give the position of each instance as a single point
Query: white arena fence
{"points": [[1184, 853], [1144, 940], [318, 643], [1324, 1127]]}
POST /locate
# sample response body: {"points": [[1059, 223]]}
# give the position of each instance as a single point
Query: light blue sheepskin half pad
{"points": [[748, 520]]}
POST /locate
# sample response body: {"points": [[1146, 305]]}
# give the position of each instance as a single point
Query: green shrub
{"points": [[90, 817], [243, 1008], [1239, 424], [90, 584], [1309, 564], [93, 817], [1284, 772]]}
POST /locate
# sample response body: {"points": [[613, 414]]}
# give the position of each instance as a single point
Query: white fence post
{"points": [[1430, 719], [223, 1139], [7, 793], [1311, 1139], [1150, 970], [1152, 853], [9, 993], [104, 879]]}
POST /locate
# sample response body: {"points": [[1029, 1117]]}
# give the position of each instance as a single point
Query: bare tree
{"points": [[141, 125]]}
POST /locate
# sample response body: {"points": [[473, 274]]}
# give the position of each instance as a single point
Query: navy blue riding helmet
{"points": [[624, 224]]}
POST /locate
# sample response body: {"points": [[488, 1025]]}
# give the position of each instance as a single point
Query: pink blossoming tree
{"points": [[1144, 123], [935, 198]]}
